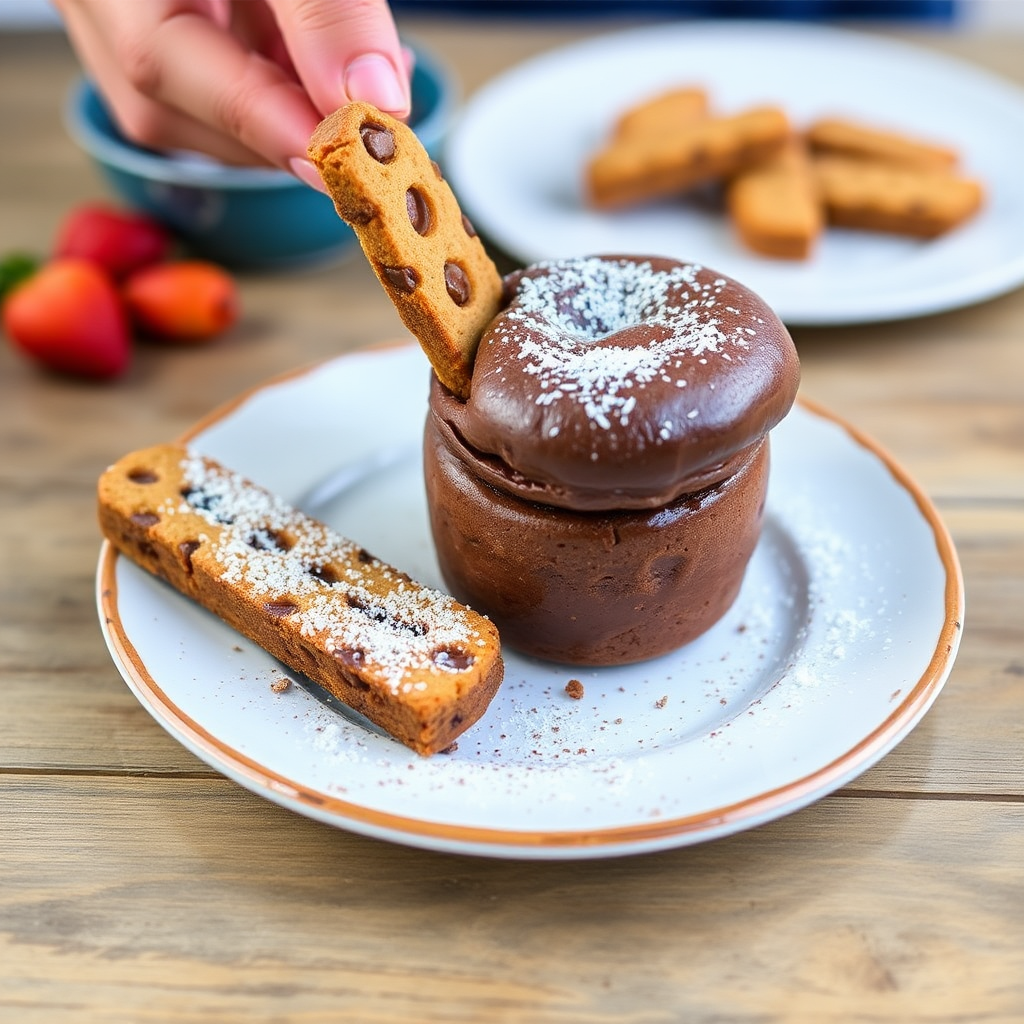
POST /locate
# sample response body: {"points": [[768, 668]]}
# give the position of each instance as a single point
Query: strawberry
{"points": [[69, 317], [117, 240], [187, 301]]}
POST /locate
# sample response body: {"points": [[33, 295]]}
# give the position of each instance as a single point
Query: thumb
{"points": [[347, 50]]}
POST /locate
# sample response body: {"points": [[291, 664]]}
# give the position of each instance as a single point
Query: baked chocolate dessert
{"points": [[600, 491]]}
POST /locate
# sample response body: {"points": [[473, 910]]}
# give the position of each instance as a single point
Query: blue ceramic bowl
{"points": [[242, 217]]}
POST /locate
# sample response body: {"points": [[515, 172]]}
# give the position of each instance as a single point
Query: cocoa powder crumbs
{"points": [[575, 689]]}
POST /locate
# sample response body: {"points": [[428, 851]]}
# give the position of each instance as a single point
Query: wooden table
{"points": [[136, 884]]}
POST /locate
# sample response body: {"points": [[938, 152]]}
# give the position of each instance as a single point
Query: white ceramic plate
{"points": [[843, 634], [516, 158]]}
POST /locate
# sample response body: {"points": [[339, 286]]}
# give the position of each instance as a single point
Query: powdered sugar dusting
{"points": [[566, 316], [356, 607]]}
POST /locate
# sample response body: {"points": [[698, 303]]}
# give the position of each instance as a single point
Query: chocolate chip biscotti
{"points": [[408, 658], [424, 251]]}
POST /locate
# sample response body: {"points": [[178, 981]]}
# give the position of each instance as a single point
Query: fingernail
{"points": [[372, 78], [307, 173]]}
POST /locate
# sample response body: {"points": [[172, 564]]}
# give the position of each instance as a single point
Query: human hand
{"points": [[244, 81]]}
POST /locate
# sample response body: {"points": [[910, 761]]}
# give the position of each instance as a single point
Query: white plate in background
{"points": [[516, 157]]}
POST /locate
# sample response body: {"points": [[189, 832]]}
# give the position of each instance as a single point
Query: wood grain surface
{"points": [[136, 884]]}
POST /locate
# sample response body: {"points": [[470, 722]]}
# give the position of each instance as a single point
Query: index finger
{"points": [[229, 87], [346, 51]]}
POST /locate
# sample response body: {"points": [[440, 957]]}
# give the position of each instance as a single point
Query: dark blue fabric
{"points": [[935, 11]]}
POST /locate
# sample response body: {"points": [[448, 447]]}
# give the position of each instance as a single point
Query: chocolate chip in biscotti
{"points": [[379, 142], [419, 211], [404, 279], [457, 284], [424, 252]]}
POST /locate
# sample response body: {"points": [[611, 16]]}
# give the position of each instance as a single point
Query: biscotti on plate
{"points": [[409, 658]]}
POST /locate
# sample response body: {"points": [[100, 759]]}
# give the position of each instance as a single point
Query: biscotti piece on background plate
{"points": [[661, 114], [878, 196], [841, 137], [644, 168], [776, 206]]}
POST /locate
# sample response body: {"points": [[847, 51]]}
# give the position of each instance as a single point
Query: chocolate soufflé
{"points": [[600, 492]]}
